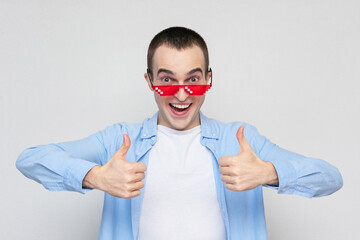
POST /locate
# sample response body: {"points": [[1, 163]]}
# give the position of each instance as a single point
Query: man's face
{"points": [[179, 67]]}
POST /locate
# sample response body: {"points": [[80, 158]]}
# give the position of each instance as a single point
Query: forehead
{"points": [[179, 61]]}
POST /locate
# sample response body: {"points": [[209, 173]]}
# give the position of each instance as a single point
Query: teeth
{"points": [[180, 106]]}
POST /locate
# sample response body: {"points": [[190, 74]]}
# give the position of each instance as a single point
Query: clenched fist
{"points": [[118, 177], [246, 170]]}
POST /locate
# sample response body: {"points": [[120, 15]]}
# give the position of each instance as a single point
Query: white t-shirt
{"points": [[180, 200]]}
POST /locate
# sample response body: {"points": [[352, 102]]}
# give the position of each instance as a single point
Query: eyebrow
{"points": [[194, 71], [171, 73], [164, 71]]}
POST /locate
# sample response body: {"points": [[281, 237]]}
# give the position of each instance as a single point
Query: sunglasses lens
{"points": [[166, 90], [173, 89], [196, 89]]}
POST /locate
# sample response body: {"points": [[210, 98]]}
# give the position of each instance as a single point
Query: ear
{"points": [[148, 81], [208, 76]]}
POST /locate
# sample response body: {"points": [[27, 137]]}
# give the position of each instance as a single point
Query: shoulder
{"points": [[223, 129], [114, 133], [226, 133]]}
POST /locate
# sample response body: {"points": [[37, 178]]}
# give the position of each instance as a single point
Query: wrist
{"points": [[271, 175], [90, 179]]}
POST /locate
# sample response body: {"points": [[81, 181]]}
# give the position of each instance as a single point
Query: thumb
{"points": [[244, 145], [121, 153]]}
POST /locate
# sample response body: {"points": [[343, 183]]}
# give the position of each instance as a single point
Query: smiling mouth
{"points": [[179, 108]]}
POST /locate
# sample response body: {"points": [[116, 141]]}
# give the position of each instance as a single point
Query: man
{"points": [[203, 178]]}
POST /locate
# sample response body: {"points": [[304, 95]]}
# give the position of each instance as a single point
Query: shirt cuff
{"points": [[286, 175], [75, 173]]}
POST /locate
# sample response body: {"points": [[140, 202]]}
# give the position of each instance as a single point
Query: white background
{"points": [[71, 68]]}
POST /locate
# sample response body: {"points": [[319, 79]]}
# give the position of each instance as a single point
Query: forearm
{"points": [[296, 174], [304, 176], [54, 168]]}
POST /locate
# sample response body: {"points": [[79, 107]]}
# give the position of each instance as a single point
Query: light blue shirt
{"points": [[63, 166]]}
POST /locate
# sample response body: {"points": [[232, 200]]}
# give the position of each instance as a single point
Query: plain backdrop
{"points": [[70, 68]]}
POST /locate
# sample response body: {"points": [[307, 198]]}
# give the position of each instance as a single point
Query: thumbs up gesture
{"points": [[246, 170], [118, 177]]}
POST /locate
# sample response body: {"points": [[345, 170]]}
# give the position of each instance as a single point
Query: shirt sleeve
{"points": [[63, 166], [297, 174]]}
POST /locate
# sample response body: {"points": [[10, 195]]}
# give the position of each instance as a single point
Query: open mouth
{"points": [[180, 108]]}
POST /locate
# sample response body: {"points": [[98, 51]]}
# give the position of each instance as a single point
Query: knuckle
{"points": [[129, 188], [136, 193], [129, 167], [129, 179], [234, 160], [223, 160], [127, 195], [234, 171], [142, 166]]}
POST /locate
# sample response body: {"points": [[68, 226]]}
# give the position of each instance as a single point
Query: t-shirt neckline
{"points": [[168, 130]]}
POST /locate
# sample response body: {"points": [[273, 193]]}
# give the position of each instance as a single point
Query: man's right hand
{"points": [[118, 177]]}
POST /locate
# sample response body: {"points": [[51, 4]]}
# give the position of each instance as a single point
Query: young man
{"points": [[203, 178]]}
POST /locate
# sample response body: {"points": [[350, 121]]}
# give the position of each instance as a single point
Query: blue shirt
{"points": [[63, 166]]}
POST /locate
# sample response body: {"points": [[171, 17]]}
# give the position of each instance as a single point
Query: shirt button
{"points": [[144, 135], [138, 153], [214, 134]]}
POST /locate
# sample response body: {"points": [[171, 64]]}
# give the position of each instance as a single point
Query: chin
{"points": [[179, 125], [183, 124]]}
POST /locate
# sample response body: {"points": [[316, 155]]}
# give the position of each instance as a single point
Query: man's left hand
{"points": [[246, 170]]}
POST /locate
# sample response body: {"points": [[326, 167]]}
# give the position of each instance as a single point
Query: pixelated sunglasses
{"points": [[191, 89]]}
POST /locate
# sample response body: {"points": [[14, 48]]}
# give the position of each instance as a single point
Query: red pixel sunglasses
{"points": [[171, 90]]}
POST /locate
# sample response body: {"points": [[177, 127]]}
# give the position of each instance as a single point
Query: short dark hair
{"points": [[179, 38]]}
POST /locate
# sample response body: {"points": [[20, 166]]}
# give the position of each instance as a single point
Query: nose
{"points": [[181, 94]]}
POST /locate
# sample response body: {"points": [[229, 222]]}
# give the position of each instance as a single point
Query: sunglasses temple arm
{"points": [[148, 72], [211, 77]]}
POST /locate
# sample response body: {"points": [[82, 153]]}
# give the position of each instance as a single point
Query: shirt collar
{"points": [[149, 127], [209, 127]]}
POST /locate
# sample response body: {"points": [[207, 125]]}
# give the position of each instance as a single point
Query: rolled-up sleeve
{"points": [[297, 174], [63, 166]]}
